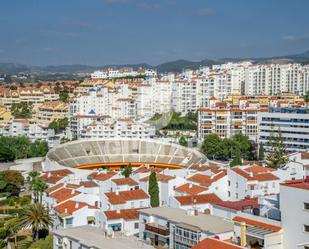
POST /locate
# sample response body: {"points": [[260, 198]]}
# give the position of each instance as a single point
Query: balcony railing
{"points": [[158, 229]]}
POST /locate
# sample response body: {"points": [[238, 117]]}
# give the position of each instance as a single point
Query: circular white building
{"points": [[115, 153]]}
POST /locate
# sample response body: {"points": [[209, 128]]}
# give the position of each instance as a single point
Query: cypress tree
{"points": [[153, 190], [276, 156], [261, 152]]}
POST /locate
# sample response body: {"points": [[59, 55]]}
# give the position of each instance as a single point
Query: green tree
{"points": [[127, 171], [59, 125], [243, 146], [21, 110], [64, 96], [183, 141], [276, 156], [11, 181], [212, 146], [6, 154], [36, 217], [261, 152], [153, 190], [306, 96], [236, 161], [38, 148]]}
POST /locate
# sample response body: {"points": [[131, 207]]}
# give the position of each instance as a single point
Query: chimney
{"points": [[66, 210], [251, 173], [118, 211], [190, 185], [117, 192], [73, 191], [76, 205], [49, 174]]}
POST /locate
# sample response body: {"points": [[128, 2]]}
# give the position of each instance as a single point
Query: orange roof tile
{"points": [[191, 189], [88, 184], [126, 214], [64, 194], [198, 199], [240, 205], [301, 184], [256, 223], [101, 176], [205, 179], [160, 178], [124, 196], [209, 243], [255, 176], [69, 207], [125, 181]]}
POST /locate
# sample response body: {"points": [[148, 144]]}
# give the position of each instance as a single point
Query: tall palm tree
{"points": [[12, 228], [34, 217], [36, 185]]}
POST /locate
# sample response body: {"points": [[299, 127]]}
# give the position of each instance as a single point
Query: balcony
{"points": [[158, 229]]}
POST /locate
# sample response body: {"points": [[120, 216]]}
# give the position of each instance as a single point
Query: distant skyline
{"points": [[100, 32]]}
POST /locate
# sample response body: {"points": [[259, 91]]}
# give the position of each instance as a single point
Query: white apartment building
{"points": [[227, 120], [30, 129], [293, 123], [125, 128], [276, 78]]}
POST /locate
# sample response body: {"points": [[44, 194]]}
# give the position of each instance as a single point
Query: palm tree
{"points": [[12, 228], [34, 217], [36, 185]]}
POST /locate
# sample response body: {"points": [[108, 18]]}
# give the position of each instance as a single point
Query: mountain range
{"points": [[171, 66]]}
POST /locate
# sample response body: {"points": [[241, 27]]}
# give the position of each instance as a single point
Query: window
{"points": [[229, 194], [136, 225], [306, 206], [69, 221], [306, 228], [229, 182]]}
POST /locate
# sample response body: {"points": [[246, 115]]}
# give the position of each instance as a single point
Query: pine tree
{"points": [[153, 190], [261, 152], [276, 157], [127, 171]]}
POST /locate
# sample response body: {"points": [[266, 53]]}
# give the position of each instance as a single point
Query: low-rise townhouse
{"points": [[177, 228], [73, 214], [124, 200], [190, 189], [202, 202], [121, 220], [124, 184], [251, 181], [216, 244], [294, 205]]}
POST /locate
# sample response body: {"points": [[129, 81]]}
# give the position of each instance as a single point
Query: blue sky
{"points": [[98, 32]]}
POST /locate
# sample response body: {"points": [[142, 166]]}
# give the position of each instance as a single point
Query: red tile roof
{"points": [[101, 176], [258, 169], [88, 184], [64, 194], [124, 196], [304, 155], [301, 184], [255, 176], [54, 188], [191, 189], [69, 207], [160, 178], [126, 214], [125, 181], [198, 199], [144, 169], [205, 179], [257, 223], [55, 175], [240, 205], [215, 244]]}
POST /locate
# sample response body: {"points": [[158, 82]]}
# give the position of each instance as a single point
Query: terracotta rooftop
{"points": [[301, 184], [305, 155], [257, 223], [253, 176], [191, 189], [160, 178], [123, 196], [240, 205], [126, 214], [64, 194], [55, 175], [198, 199], [88, 184], [125, 181], [215, 244], [145, 169], [69, 207], [102, 176], [206, 180], [54, 188]]}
